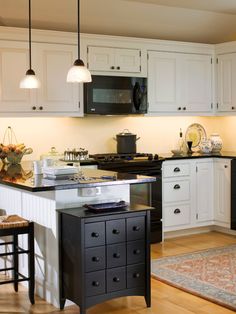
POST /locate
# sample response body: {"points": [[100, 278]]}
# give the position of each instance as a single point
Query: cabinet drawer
{"points": [[135, 252], [176, 215], [175, 170], [116, 279], [95, 283], [95, 258], [135, 276], [176, 191], [135, 228], [94, 234], [116, 255], [115, 231]]}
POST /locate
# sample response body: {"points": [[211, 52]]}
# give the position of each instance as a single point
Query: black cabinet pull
{"points": [[112, 67], [116, 279], [95, 234], [34, 108], [136, 228], [137, 252], [136, 275], [95, 283], [118, 68], [95, 259], [116, 255], [176, 169], [177, 211], [116, 231], [177, 186]]}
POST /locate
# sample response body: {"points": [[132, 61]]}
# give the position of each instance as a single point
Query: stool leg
{"points": [[31, 263], [15, 261]]}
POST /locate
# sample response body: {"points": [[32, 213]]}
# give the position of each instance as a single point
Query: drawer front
{"points": [[136, 276], [95, 283], [135, 252], [175, 170], [116, 279], [94, 234], [95, 258], [116, 255], [176, 215], [115, 231], [176, 191], [135, 228]]}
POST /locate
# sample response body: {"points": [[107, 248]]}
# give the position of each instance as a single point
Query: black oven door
{"points": [[111, 95]]}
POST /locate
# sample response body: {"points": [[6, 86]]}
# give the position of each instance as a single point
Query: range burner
{"points": [[113, 157]]}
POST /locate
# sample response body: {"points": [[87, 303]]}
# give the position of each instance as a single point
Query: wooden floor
{"points": [[165, 299]]}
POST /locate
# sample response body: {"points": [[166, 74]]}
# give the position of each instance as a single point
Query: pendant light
{"points": [[30, 80], [78, 73]]}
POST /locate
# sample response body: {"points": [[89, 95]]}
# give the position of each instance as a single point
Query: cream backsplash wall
{"points": [[158, 134]]}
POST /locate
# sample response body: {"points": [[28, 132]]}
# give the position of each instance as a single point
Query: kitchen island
{"points": [[39, 199]]}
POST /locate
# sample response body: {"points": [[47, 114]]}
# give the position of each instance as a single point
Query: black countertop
{"points": [[21, 176], [223, 154]]}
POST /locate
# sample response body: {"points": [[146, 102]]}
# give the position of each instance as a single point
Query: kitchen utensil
{"points": [[195, 133], [126, 142]]}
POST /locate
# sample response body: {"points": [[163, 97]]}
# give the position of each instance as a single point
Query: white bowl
{"points": [[176, 151]]}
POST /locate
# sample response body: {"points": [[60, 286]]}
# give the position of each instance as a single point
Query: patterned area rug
{"points": [[210, 274]]}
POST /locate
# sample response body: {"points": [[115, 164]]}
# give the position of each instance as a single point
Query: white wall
{"points": [[158, 134]]}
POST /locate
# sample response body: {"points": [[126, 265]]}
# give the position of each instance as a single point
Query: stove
{"points": [[114, 157]]}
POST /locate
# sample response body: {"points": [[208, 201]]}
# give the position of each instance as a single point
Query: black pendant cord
{"points": [[78, 28], [30, 35]]}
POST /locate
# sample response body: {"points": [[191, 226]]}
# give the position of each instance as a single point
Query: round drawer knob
{"points": [[226, 166], [41, 108], [136, 228], [136, 275], [179, 108], [116, 255], [95, 234], [184, 108], [137, 252], [34, 108], [233, 108], [95, 283], [95, 259], [118, 68], [116, 231], [116, 279], [112, 67]]}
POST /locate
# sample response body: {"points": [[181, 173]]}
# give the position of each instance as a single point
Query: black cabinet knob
{"points": [[116, 255], [112, 67], [226, 166], [95, 283], [34, 108], [95, 234], [136, 275], [136, 228], [118, 68], [41, 108], [95, 259], [116, 279], [137, 252], [177, 186], [232, 108], [116, 231], [176, 169], [179, 108], [184, 108]]}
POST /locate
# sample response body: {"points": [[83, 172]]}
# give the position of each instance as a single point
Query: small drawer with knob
{"points": [[116, 279], [135, 228], [115, 231], [178, 190], [135, 252], [175, 170], [116, 255], [95, 283], [176, 215], [94, 234], [95, 258], [135, 276]]}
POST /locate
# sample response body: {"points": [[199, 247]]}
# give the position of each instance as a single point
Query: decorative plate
{"points": [[195, 133]]}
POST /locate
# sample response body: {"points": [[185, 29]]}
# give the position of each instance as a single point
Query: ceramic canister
{"points": [[216, 142], [205, 146]]}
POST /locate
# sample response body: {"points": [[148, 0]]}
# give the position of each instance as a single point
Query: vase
{"points": [[205, 146], [216, 142]]}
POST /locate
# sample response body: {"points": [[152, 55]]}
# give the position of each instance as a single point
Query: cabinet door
{"points": [[222, 184], [101, 58], [13, 66], [204, 191], [197, 86], [164, 82], [226, 82], [52, 62], [128, 60]]}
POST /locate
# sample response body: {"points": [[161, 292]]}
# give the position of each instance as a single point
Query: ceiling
{"points": [[206, 21]]}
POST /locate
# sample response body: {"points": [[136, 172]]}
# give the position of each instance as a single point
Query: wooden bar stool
{"points": [[14, 225]]}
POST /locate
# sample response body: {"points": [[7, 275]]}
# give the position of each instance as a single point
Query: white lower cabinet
{"points": [[187, 195]]}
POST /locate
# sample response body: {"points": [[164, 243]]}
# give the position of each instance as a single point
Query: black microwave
{"points": [[115, 95]]}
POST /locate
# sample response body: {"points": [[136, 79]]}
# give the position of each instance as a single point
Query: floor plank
{"points": [[165, 299]]}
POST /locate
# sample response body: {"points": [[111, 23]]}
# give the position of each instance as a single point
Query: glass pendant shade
{"points": [[30, 80], [78, 73]]}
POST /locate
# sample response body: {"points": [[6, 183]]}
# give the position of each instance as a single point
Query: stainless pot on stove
{"points": [[126, 142]]}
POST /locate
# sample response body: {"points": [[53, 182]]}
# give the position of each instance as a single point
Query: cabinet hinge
{"points": [[211, 105], [147, 56], [211, 60], [140, 53], [197, 216], [217, 60], [79, 104], [140, 68], [196, 169], [87, 65], [87, 49], [217, 105]]}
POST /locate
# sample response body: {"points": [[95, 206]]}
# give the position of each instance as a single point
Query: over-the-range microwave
{"points": [[115, 95]]}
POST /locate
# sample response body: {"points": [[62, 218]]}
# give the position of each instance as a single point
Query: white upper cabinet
{"points": [[226, 71], [114, 60], [179, 83], [51, 63], [13, 66]]}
